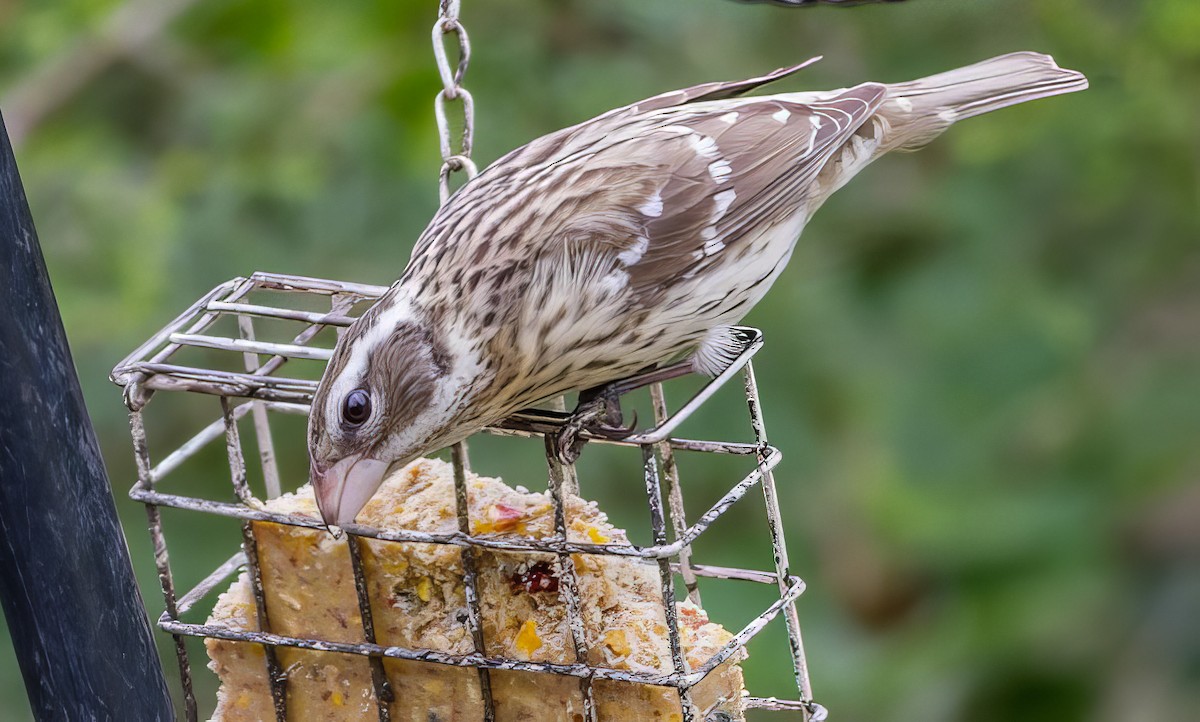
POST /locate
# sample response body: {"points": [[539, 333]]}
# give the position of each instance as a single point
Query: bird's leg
{"points": [[653, 376], [599, 410], [598, 413]]}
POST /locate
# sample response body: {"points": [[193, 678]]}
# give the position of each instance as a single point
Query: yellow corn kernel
{"points": [[425, 589], [528, 640], [616, 640], [596, 537], [337, 699], [243, 700]]}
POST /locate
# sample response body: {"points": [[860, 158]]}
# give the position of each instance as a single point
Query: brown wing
{"points": [[562, 143], [673, 198], [719, 90], [555, 147]]}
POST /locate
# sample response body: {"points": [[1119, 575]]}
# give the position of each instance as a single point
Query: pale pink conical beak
{"points": [[343, 489]]}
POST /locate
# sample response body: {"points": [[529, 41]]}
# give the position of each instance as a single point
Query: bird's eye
{"points": [[356, 409]]}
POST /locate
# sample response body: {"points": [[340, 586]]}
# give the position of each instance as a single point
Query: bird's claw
{"points": [[568, 443], [616, 432], [598, 414]]}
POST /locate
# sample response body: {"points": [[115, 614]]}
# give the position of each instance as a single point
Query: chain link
{"points": [[455, 157]]}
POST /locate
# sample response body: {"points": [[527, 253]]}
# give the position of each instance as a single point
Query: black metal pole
{"points": [[66, 583]]}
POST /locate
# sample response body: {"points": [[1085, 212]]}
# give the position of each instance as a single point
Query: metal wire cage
{"points": [[244, 371]]}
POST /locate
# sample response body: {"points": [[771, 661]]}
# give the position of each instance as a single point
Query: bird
{"points": [[635, 240]]}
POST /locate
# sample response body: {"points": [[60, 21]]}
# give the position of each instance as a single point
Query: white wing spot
{"points": [[709, 233], [904, 104], [782, 115], [614, 281], [723, 200], [703, 145], [635, 252], [653, 207], [719, 170], [948, 116], [730, 117], [712, 247]]}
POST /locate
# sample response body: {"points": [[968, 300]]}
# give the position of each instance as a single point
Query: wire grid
{"points": [[151, 368]]}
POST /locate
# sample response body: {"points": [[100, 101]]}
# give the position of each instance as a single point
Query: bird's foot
{"points": [[598, 413]]}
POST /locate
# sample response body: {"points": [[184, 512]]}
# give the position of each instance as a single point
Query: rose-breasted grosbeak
{"points": [[627, 241]]}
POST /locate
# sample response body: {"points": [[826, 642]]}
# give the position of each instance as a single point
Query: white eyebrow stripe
{"points": [[355, 368]]}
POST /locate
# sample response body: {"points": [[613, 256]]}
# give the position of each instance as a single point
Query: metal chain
{"points": [[454, 159]]}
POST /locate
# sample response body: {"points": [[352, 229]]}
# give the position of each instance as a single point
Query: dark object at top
{"points": [[808, 3], [72, 605]]}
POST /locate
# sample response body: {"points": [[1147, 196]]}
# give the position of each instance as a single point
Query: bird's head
{"points": [[380, 402]]}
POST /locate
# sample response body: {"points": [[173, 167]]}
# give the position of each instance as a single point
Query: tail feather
{"points": [[918, 111]]}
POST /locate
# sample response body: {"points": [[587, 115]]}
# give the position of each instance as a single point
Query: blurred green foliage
{"points": [[982, 363]]}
